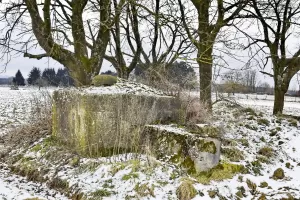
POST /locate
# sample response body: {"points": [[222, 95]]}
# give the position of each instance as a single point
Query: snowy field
{"points": [[16, 107]]}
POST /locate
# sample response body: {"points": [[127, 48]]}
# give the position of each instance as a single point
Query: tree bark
{"points": [[79, 75], [205, 70], [279, 100], [205, 62], [123, 73]]}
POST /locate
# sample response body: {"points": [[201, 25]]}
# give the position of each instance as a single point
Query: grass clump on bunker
{"points": [[104, 80]]}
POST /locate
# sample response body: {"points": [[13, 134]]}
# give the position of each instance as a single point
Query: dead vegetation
{"points": [[39, 126]]}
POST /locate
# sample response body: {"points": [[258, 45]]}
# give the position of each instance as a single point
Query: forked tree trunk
{"points": [[279, 100]]}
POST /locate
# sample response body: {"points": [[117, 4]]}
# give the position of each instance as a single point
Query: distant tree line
{"points": [[47, 77], [50, 77]]}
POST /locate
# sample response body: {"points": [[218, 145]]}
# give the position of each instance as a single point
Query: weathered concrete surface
{"points": [[190, 150], [102, 124]]}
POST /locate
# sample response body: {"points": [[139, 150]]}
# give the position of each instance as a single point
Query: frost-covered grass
{"points": [[255, 139], [16, 106], [16, 187], [265, 142]]}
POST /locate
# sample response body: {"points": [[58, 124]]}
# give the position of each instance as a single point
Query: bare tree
{"points": [[75, 33], [250, 80], [212, 17], [161, 42], [277, 20]]}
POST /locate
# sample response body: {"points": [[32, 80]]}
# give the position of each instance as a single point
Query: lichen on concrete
{"points": [[192, 152], [106, 124]]}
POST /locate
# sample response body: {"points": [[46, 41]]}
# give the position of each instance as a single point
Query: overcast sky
{"points": [[26, 64]]}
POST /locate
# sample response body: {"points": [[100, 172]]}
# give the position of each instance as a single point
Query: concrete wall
{"points": [[190, 151], [106, 124]]}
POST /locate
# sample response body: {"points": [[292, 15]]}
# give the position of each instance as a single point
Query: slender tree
{"points": [[211, 20], [277, 22]]}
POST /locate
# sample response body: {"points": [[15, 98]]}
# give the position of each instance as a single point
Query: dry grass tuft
{"points": [[193, 111], [38, 126], [186, 191]]}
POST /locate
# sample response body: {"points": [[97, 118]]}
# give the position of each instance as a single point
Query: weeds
{"points": [[186, 191], [233, 154], [266, 151]]}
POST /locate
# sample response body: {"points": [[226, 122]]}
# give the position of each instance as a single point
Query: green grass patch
{"points": [[263, 121], [129, 176], [220, 172], [233, 154]]}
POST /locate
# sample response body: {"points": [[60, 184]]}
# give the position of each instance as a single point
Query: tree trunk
{"points": [[81, 78], [205, 70], [123, 73], [279, 100]]}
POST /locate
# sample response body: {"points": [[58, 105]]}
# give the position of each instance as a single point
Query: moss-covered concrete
{"points": [[191, 151], [104, 124]]}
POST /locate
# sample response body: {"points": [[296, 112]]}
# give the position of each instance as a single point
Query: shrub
{"points": [[263, 184], [104, 80], [263, 122], [192, 110], [249, 111], [266, 151], [278, 174], [233, 154]]}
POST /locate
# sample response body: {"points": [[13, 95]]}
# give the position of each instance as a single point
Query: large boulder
{"points": [[108, 120]]}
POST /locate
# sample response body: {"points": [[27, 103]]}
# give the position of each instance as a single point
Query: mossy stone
{"points": [[104, 80], [278, 174]]}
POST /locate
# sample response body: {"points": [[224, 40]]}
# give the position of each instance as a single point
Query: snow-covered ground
{"points": [[18, 188], [17, 106], [123, 180]]}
